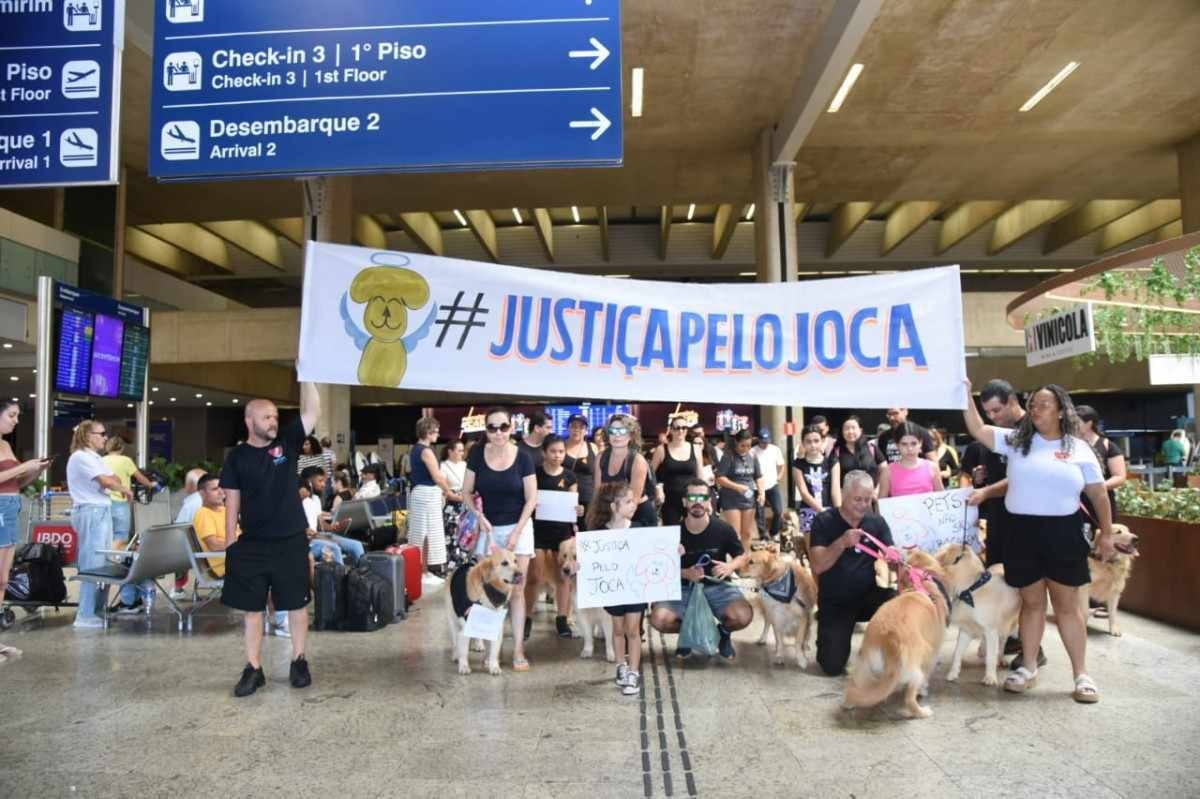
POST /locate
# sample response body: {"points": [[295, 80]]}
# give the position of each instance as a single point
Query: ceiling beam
{"points": [[966, 219], [251, 237], [1024, 218], [724, 226], [423, 228], [195, 240], [163, 256], [1169, 231], [664, 230], [904, 220], [484, 228], [544, 226], [1147, 219], [1088, 219], [832, 54], [845, 220], [291, 228], [602, 217], [802, 210], [369, 233]]}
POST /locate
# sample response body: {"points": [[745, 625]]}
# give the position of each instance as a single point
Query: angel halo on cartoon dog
{"points": [[389, 292]]}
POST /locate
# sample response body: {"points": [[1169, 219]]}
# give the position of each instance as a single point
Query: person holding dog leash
{"points": [[1048, 466]]}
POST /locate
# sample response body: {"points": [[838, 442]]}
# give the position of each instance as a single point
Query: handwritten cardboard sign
{"points": [[930, 521], [484, 623], [626, 567]]}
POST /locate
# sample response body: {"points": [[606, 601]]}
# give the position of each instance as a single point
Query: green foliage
{"points": [[1123, 332], [1176, 504], [174, 473]]}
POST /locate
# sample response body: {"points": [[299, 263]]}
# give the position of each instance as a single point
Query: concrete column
{"points": [[775, 256], [1188, 155], [328, 204], [119, 237]]}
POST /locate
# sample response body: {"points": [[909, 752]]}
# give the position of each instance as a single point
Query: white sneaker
{"points": [[179, 593], [281, 631], [432, 580], [622, 675], [93, 623], [633, 684]]}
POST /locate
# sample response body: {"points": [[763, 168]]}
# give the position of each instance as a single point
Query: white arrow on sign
{"points": [[600, 53], [600, 123]]}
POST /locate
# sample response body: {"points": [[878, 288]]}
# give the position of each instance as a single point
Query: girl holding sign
{"points": [[552, 475], [613, 508], [912, 474]]}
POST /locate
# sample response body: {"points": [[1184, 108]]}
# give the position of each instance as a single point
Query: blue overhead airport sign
{"points": [[60, 80], [252, 88]]}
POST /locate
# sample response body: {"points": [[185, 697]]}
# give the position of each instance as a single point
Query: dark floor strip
{"points": [[685, 756], [647, 778], [668, 786]]}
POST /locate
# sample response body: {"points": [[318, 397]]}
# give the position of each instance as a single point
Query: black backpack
{"points": [[330, 590], [37, 575], [369, 601]]}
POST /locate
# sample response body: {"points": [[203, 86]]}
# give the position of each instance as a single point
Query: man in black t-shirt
{"points": [[845, 576], [270, 557], [888, 441], [531, 442], [707, 542], [988, 471]]}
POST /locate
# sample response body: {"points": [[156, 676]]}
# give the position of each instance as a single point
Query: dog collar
{"points": [[495, 596], [966, 596], [782, 590]]}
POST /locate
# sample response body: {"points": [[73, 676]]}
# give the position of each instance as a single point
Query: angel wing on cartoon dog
{"points": [[389, 292]]}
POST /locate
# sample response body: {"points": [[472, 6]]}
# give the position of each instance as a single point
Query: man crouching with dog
{"points": [[847, 590]]}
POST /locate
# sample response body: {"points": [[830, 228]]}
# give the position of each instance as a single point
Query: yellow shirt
{"points": [[209, 523], [123, 467]]}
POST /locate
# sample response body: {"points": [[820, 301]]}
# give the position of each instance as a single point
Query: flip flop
{"points": [[1086, 692], [9, 652], [520, 664]]}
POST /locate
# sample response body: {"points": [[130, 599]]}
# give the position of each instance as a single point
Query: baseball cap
{"points": [[577, 417], [764, 433]]}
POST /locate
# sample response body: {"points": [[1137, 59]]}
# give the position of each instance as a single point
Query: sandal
{"points": [[9, 652], [1086, 692], [1020, 681], [520, 664]]}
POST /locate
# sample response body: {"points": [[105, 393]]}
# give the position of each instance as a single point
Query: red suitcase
{"points": [[413, 571]]}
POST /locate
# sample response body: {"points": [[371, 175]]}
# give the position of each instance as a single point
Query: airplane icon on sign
{"points": [[180, 141], [81, 80]]}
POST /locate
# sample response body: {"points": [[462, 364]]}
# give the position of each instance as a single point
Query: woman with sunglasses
{"points": [[677, 462], [740, 480], [503, 479], [623, 462]]}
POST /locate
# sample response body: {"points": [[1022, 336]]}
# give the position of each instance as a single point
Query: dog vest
{"points": [[967, 596], [458, 593], [784, 589]]}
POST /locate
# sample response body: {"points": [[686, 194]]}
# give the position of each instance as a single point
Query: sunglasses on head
{"points": [[499, 428], [618, 431]]}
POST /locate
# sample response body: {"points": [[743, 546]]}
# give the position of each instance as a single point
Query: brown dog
{"points": [[587, 620], [488, 583], [986, 608], [785, 618], [902, 642], [1108, 577]]}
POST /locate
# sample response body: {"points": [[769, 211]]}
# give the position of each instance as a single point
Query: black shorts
{"points": [[550, 538], [255, 568], [1046, 547], [621, 610]]}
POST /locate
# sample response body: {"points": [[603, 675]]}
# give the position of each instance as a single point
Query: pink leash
{"points": [[891, 555]]}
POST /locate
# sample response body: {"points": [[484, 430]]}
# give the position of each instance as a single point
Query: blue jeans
{"points": [[350, 548], [10, 509], [122, 522], [93, 525]]}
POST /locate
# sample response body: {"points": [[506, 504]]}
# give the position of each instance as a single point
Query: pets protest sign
{"points": [[412, 321], [930, 521], [627, 567]]}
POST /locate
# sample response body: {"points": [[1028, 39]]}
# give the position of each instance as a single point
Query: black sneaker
{"points": [[252, 680], [130, 610], [683, 651], [528, 627], [564, 629], [1017, 662], [725, 646], [1012, 646], [299, 676]]}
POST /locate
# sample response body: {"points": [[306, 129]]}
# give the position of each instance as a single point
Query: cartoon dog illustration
{"points": [[389, 292]]}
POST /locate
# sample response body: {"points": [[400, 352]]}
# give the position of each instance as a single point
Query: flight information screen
{"points": [[106, 356], [597, 415], [135, 355], [74, 363]]}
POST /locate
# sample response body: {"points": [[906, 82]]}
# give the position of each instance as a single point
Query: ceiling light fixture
{"points": [[691, 211], [462, 219], [208, 404], [1041, 93], [747, 274], [199, 396], [636, 79], [750, 212], [172, 399], [13, 378], [151, 402], [154, 389], [844, 89], [236, 400], [16, 399], [575, 214], [33, 396], [517, 214], [129, 405], [7, 346]]}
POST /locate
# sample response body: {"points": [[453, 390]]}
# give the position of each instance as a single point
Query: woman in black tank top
{"points": [[625, 444], [583, 462], [675, 473]]}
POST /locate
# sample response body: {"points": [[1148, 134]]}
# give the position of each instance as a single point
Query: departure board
{"points": [[74, 364], [597, 415], [106, 356], [135, 355]]}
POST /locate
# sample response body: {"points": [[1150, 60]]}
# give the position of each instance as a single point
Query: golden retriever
{"points": [[1108, 577], [586, 619], [489, 583], [989, 612], [901, 642], [793, 618]]}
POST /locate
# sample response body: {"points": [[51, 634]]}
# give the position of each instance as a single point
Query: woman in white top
{"points": [[88, 480], [454, 467], [1048, 467]]}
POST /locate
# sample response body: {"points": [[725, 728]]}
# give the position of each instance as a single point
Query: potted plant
{"points": [[1167, 522]]}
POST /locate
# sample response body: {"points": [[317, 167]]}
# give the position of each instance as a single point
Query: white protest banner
{"points": [[557, 506], [484, 623], [930, 521], [627, 567], [415, 321]]}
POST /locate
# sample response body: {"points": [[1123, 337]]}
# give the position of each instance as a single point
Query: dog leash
{"points": [[893, 557]]}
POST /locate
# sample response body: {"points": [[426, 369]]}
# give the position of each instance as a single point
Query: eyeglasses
{"points": [[696, 497], [678, 429], [499, 428], [618, 431]]}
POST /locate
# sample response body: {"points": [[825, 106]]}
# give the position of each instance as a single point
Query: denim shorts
{"points": [[122, 516], [719, 595], [10, 509]]}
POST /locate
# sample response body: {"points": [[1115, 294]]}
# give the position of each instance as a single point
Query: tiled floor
{"points": [[146, 711]]}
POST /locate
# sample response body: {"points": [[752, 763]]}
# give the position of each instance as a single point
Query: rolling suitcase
{"points": [[413, 568], [330, 590], [391, 567], [368, 600]]}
